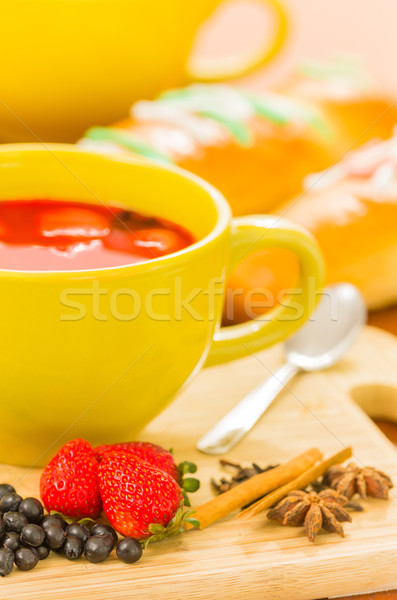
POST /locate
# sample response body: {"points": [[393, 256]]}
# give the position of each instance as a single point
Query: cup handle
{"points": [[211, 70], [253, 233]]}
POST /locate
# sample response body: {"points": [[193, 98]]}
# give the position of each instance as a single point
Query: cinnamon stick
{"points": [[254, 488], [296, 484]]}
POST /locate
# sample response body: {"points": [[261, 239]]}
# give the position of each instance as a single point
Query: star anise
{"points": [[314, 511], [353, 479]]}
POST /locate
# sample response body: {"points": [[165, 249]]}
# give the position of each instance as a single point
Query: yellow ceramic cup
{"points": [[99, 353], [70, 64]]}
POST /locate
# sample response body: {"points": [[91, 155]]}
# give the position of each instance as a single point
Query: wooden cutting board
{"points": [[256, 559]]}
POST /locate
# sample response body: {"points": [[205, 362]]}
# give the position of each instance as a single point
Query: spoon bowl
{"points": [[319, 344], [330, 331]]}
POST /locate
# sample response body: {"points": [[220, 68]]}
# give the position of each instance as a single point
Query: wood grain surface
{"points": [[255, 559], [392, 595]]}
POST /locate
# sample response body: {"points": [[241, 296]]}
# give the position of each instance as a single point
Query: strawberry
{"points": [[139, 500], [72, 222], [151, 453], [159, 241], [69, 483], [160, 458]]}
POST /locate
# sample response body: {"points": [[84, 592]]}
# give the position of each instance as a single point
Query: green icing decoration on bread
{"points": [[275, 108], [338, 68], [228, 106], [124, 138]]}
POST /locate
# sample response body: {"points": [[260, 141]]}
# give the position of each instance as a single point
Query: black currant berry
{"points": [[32, 535], [53, 520], [11, 540], [26, 558], [78, 530], [2, 528], [32, 508], [73, 547], [5, 488], [129, 550], [10, 501], [6, 561], [100, 529], [42, 551], [98, 547], [14, 521], [54, 536]]}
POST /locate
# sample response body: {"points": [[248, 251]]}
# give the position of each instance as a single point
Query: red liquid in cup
{"points": [[50, 235]]}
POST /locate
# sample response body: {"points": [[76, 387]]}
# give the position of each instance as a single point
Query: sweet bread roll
{"points": [[347, 98], [259, 283], [351, 209], [352, 212], [255, 148]]}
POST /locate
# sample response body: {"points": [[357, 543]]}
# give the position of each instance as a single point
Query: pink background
{"points": [[318, 29]]}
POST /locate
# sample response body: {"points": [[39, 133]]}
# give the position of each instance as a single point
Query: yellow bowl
{"points": [[70, 64], [99, 353]]}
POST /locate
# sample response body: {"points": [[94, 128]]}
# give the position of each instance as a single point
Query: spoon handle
{"points": [[236, 423]]}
